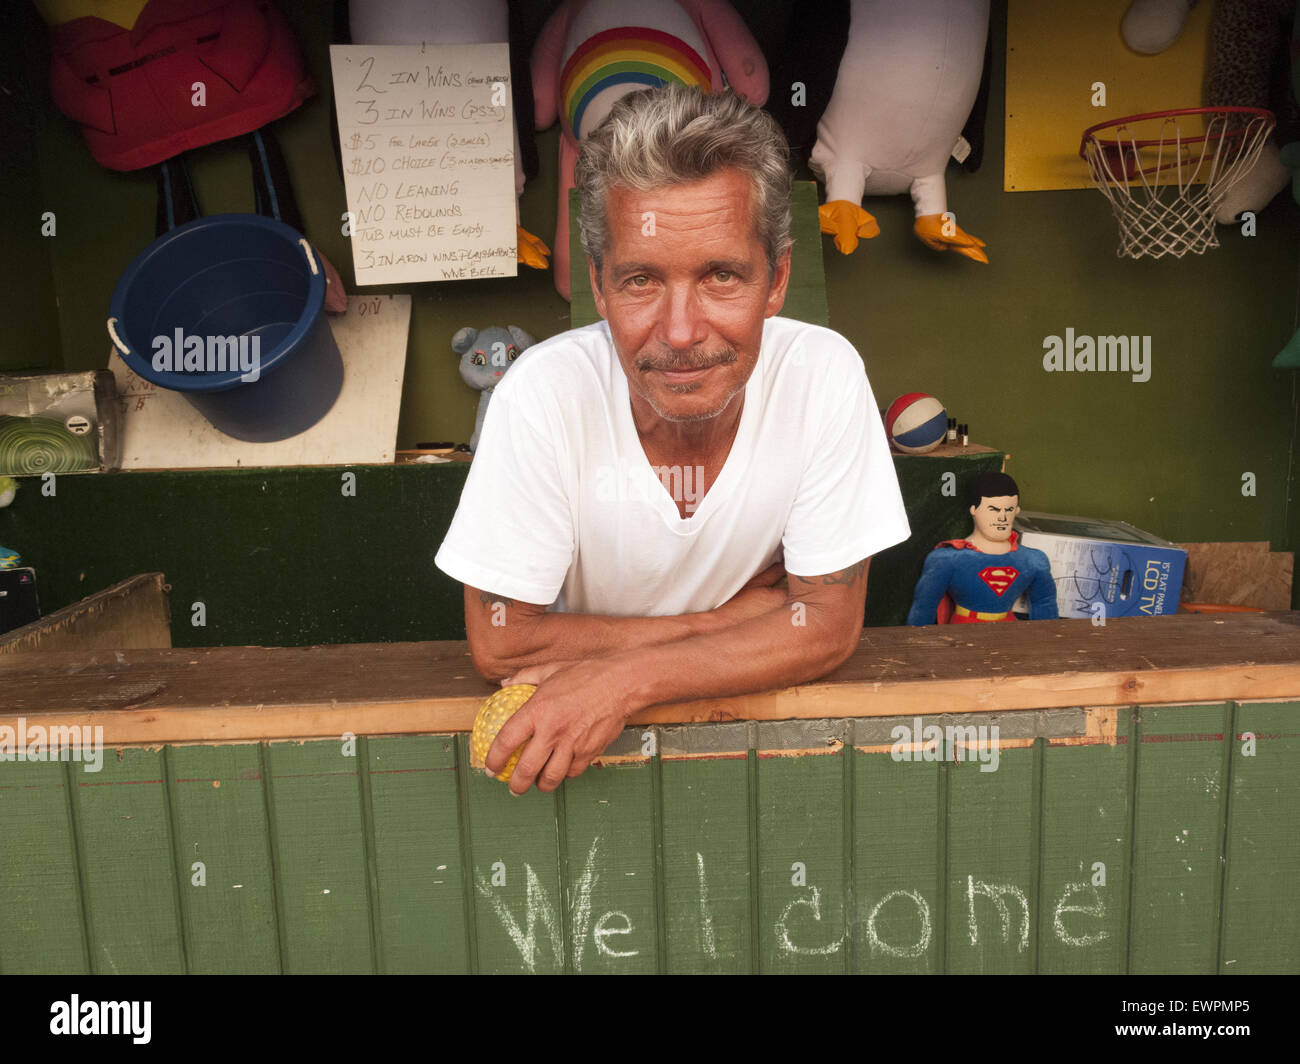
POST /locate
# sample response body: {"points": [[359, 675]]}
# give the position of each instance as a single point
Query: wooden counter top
{"points": [[241, 694]]}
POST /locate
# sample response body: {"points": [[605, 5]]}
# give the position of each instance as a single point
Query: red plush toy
{"points": [[182, 74]]}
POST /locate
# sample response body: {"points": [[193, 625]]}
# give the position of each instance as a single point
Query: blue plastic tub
{"points": [[230, 276]]}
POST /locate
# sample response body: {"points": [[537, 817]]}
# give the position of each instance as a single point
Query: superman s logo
{"points": [[999, 578]]}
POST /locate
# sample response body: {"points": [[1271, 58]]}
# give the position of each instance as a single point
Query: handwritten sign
{"points": [[427, 138]]}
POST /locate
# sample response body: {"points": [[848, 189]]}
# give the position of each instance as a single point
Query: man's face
{"points": [[993, 517], [685, 286]]}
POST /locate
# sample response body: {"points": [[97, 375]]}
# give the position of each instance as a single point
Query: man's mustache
{"points": [[667, 362]]}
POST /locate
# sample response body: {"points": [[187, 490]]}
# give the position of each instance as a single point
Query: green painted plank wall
{"points": [[127, 864], [708, 848], [417, 874], [803, 888], [1085, 806], [1262, 851], [223, 858], [1180, 807], [703, 848], [899, 816], [43, 898], [992, 835], [611, 848], [360, 571]]}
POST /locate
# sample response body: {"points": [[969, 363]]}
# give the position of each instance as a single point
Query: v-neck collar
{"points": [[722, 486]]}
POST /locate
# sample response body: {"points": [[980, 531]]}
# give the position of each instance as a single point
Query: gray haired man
{"points": [[680, 501]]}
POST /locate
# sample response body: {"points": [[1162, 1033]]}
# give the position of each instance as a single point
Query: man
{"points": [[763, 432], [966, 581]]}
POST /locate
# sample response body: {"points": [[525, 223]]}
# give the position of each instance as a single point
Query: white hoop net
{"points": [[1165, 176]]}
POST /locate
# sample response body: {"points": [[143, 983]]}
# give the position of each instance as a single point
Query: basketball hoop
{"points": [[1166, 173]]}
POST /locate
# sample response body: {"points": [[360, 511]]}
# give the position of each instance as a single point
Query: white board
{"points": [[428, 147], [161, 430]]}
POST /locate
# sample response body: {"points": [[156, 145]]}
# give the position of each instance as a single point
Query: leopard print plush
{"points": [[1250, 62]]}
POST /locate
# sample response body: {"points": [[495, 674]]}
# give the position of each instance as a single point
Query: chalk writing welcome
{"points": [[427, 140], [899, 924]]}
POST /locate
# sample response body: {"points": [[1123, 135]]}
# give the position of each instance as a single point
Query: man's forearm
{"points": [[763, 653], [581, 636]]}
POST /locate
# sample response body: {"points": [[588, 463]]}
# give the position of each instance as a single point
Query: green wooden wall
{"points": [[281, 557], [1172, 851], [1166, 455]]}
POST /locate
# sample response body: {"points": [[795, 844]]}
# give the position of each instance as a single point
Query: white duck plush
{"points": [[906, 85]]}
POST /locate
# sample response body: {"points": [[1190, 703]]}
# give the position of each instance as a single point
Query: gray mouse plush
{"points": [[485, 355]]}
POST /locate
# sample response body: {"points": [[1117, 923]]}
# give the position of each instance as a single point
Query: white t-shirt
{"points": [[561, 505]]}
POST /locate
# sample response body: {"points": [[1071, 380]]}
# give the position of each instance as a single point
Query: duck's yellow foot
{"points": [[530, 250], [846, 222], [942, 233]]}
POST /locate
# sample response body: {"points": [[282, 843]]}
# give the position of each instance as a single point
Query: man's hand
{"points": [[580, 707], [577, 712]]}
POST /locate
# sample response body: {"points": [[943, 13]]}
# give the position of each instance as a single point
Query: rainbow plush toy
{"points": [[907, 82], [591, 53]]}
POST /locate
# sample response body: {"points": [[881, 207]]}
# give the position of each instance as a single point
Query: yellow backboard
{"points": [[1056, 53]]}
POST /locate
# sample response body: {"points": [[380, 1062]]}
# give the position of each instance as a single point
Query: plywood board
{"points": [[1055, 54], [129, 615], [1238, 574], [161, 430]]}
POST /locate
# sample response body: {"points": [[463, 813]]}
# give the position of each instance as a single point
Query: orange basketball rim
{"points": [[1165, 173]]}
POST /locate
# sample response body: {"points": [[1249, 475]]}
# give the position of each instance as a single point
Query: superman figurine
{"points": [[978, 578]]}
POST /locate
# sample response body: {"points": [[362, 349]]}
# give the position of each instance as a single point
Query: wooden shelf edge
{"points": [[982, 694]]}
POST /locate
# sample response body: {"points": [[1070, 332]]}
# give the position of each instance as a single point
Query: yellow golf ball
{"points": [[491, 716]]}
